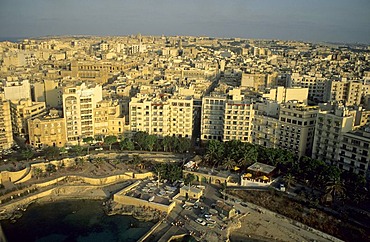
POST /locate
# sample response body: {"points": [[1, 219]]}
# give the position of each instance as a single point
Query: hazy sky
{"points": [[311, 20]]}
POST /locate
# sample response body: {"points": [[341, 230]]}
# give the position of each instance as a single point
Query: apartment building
{"points": [[108, 118], [98, 72], [163, 116], [354, 151], [297, 125], [282, 94], [316, 85], [6, 134], [238, 116], [213, 116], [22, 111], [227, 117], [287, 126], [47, 130], [349, 92], [49, 91], [79, 102], [329, 129], [16, 90]]}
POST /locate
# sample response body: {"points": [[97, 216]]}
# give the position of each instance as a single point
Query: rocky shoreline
{"points": [[141, 213]]}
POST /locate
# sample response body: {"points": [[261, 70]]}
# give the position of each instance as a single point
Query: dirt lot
{"points": [[339, 227]]}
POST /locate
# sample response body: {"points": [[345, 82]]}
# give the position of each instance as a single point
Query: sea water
{"points": [[73, 220]]}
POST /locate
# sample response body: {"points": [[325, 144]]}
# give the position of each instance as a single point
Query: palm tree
{"points": [[215, 152], [335, 188], [250, 155], [27, 153], [289, 179], [229, 163]]}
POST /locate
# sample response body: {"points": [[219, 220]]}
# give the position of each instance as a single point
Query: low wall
{"points": [[12, 175], [145, 236], [127, 200], [143, 175]]}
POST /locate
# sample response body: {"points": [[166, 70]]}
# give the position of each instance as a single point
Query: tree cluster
{"points": [[145, 141], [315, 173], [168, 171]]}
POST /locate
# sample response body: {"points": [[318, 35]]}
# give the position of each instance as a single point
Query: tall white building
{"points": [[227, 117], [329, 129], [162, 116], [78, 107], [6, 135]]}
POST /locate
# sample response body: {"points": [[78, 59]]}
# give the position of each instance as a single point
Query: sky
{"points": [[346, 21]]}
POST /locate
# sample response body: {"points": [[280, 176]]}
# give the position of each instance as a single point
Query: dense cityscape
{"points": [[204, 133]]}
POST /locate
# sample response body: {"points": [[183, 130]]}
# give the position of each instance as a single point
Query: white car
{"points": [[211, 221], [201, 221], [207, 215]]}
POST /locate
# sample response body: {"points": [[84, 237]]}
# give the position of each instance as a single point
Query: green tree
{"points": [[166, 143], [289, 179], [189, 178], [77, 150], [27, 153], [150, 141], [126, 144], [183, 145], [88, 141], [50, 168], [215, 152], [335, 188], [249, 156], [228, 163], [139, 139], [51, 152], [36, 172], [109, 140], [174, 145]]}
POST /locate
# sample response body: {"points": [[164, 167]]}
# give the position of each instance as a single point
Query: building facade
{"points": [[78, 107], [165, 116], [6, 134], [22, 111], [48, 130], [354, 151]]}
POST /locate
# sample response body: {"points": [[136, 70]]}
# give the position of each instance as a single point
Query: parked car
{"points": [[282, 187], [201, 221], [210, 221], [244, 204]]}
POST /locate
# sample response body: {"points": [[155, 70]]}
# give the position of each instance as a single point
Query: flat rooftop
{"points": [[260, 167], [150, 191]]}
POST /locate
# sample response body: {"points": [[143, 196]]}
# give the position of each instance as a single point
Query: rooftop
{"points": [[260, 167]]}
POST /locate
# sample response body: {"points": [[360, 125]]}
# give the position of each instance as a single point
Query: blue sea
{"points": [[73, 220]]}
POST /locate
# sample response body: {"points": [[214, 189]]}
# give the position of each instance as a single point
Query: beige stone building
{"points": [[282, 94], [297, 125], [6, 134], [164, 116], [329, 128], [98, 72], [16, 90], [47, 130], [354, 151], [108, 118], [22, 111], [227, 117], [287, 126], [349, 92]]}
